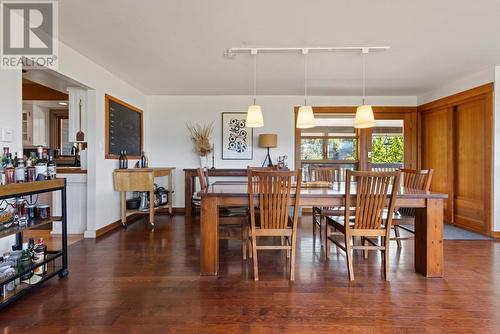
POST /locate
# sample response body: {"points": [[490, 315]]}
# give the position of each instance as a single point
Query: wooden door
{"points": [[437, 151], [472, 159]]}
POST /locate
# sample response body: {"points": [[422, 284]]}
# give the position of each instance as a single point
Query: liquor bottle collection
{"points": [[21, 261], [38, 166]]}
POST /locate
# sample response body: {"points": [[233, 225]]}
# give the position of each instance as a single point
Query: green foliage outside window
{"points": [[388, 149], [312, 149]]}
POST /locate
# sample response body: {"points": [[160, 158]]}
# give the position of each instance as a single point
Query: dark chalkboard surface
{"points": [[123, 129]]}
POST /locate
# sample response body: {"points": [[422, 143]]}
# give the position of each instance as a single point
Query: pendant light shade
{"points": [[254, 117], [305, 118], [364, 117], [364, 114], [254, 112]]}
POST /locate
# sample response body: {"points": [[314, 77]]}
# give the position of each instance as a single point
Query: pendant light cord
{"points": [[254, 79], [305, 79], [364, 77]]}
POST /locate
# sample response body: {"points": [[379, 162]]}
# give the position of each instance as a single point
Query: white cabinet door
{"points": [[77, 119], [40, 123], [27, 128]]}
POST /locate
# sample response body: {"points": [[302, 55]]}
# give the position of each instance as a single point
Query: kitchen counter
{"points": [[76, 202], [70, 170]]}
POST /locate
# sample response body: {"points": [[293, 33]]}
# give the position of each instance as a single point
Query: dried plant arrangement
{"points": [[200, 135]]}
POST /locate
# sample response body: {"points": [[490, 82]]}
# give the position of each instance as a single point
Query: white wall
{"points": [[103, 201], [11, 117], [496, 154], [11, 106], [168, 142]]}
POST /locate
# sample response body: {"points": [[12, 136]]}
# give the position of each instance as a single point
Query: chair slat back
{"points": [[328, 174], [372, 192], [274, 189], [415, 179], [203, 179]]}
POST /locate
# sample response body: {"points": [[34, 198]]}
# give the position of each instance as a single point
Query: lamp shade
{"points": [[305, 118], [268, 140], [254, 116], [364, 117]]}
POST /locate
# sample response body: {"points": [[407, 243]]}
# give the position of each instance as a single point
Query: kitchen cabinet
{"points": [[35, 124]]}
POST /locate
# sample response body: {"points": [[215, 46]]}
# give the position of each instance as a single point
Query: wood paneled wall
{"points": [[456, 141]]}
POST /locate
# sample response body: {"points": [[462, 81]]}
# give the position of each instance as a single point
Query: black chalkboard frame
{"points": [[108, 98]]}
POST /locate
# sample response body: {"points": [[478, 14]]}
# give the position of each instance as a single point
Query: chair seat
{"points": [[339, 223]]}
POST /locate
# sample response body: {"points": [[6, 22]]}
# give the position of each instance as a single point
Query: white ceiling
{"points": [[176, 47]]}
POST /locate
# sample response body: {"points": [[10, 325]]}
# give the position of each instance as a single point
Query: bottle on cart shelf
{"points": [[20, 169], [30, 168], [40, 255], [25, 263], [9, 170], [41, 166], [126, 158], [14, 161], [51, 167]]}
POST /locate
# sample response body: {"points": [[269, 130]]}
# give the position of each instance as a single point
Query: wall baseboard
{"points": [[176, 211], [108, 228]]}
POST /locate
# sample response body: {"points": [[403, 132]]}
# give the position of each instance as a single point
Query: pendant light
{"points": [[305, 116], [254, 112], [364, 113]]}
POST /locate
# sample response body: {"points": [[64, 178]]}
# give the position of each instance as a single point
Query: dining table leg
{"points": [[209, 238], [188, 194], [429, 239]]}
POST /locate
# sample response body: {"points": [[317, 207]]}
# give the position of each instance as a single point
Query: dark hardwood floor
{"points": [[142, 281]]}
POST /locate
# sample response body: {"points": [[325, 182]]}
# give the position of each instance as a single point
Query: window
{"points": [[332, 142], [388, 143], [334, 138], [341, 149]]}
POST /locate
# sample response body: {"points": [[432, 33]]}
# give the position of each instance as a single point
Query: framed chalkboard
{"points": [[124, 129]]}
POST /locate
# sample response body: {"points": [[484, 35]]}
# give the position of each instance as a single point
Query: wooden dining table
{"points": [[428, 219]]}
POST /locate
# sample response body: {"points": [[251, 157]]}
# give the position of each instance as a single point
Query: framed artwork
{"points": [[237, 138]]}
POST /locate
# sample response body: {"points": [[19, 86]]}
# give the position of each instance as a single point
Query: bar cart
{"points": [[55, 261]]}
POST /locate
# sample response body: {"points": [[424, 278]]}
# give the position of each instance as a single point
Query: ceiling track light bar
{"points": [[231, 52]]}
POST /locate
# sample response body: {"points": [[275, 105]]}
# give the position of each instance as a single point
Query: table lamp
{"points": [[268, 140]]}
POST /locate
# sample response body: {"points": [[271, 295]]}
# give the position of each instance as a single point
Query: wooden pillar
{"points": [[364, 148]]}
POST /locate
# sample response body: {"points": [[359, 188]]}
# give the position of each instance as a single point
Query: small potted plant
{"points": [[200, 135]]}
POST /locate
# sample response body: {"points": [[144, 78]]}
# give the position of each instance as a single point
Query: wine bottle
{"points": [[125, 158], [51, 167], [20, 169], [121, 161], [144, 160]]}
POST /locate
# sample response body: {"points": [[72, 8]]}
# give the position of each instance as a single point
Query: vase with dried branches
{"points": [[200, 135]]}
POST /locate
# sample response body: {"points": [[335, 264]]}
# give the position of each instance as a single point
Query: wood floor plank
{"points": [[142, 281]]}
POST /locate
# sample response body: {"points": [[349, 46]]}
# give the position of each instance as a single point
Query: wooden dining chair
{"points": [[270, 193], [411, 179], [230, 218], [373, 190], [329, 174]]}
